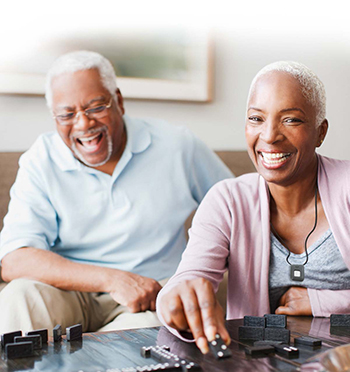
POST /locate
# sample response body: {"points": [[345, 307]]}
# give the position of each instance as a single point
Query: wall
{"points": [[239, 52]]}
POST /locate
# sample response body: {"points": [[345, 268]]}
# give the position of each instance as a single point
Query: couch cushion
{"points": [[8, 171]]}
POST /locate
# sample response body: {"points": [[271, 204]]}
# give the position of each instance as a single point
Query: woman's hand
{"points": [[192, 306], [295, 302]]}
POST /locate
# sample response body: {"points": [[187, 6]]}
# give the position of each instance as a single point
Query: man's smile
{"points": [[90, 143]]}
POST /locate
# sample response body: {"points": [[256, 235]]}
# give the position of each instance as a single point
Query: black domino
{"points": [[74, 332], [309, 341], [36, 339], [42, 332], [146, 351], [160, 353], [57, 333], [256, 351], [219, 348], [278, 334], [9, 338], [267, 342], [340, 320], [251, 333], [276, 320], [340, 331], [254, 321], [19, 350], [286, 350]]}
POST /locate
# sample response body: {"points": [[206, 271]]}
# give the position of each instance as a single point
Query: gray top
{"points": [[325, 268]]}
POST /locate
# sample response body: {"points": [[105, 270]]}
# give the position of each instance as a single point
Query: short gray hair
{"points": [[78, 61], [311, 86]]}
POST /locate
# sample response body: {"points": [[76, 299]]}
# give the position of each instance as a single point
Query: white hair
{"points": [[311, 86], [78, 61]]}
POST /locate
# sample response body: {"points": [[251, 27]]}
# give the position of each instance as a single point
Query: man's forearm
{"points": [[53, 269], [136, 292]]}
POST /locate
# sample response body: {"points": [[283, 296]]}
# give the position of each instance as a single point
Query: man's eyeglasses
{"points": [[95, 112]]}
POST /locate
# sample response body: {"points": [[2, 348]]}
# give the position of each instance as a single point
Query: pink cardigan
{"points": [[231, 229]]}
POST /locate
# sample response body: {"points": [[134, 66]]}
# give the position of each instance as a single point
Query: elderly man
{"points": [[95, 222]]}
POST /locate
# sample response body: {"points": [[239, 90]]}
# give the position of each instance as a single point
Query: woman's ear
{"points": [[322, 132]]}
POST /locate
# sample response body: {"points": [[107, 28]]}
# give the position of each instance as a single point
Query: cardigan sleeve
{"points": [[325, 302]]}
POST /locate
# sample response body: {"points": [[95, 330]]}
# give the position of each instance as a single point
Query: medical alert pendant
{"points": [[297, 272]]}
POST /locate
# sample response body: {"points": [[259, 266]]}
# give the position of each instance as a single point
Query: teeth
{"points": [[274, 157], [87, 139]]}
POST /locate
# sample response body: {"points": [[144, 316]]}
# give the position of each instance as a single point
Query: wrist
{"points": [[113, 277]]}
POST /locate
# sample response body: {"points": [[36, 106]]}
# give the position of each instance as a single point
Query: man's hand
{"points": [[295, 302], [136, 292], [192, 306]]}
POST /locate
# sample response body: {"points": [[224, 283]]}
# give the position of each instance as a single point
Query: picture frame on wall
{"points": [[156, 65]]}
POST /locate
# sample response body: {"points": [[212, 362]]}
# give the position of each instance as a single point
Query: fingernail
{"points": [[202, 345], [210, 333]]}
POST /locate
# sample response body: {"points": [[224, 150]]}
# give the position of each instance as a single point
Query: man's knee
{"points": [[21, 288], [27, 295], [29, 304], [21, 305]]}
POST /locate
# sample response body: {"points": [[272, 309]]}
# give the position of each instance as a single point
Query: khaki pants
{"points": [[28, 304]]}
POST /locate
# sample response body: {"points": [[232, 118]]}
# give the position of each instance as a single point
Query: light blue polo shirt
{"points": [[132, 220]]}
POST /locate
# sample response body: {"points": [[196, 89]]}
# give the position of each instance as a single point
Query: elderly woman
{"points": [[282, 233]]}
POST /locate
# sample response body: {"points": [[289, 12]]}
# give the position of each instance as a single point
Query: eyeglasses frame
{"points": [[75, 117]]}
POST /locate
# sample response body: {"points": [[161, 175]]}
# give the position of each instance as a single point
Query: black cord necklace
{"points": [[297, 271]]}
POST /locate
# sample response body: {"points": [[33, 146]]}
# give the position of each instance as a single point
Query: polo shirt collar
{"points": [[138, 140], [138, 137]]}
